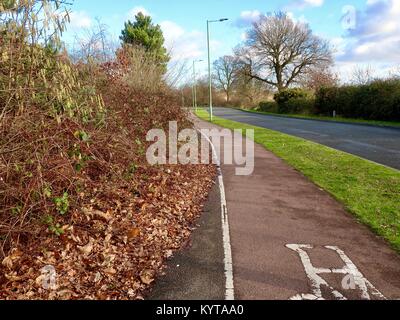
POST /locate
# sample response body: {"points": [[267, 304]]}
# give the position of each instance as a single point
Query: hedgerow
{"points": [[379, 100]]}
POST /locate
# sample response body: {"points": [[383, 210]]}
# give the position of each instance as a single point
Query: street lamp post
{"points": [[195, 84], [209, 64], [193, 97]]}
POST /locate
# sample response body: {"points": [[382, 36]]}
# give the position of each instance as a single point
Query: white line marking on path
{"points": [[228, 262], [350, 271]]}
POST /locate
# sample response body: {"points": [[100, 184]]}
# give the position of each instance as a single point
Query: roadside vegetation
{"points": [[76, 192], [376, 102], [277, 55], [283, 68], [369, 191]]}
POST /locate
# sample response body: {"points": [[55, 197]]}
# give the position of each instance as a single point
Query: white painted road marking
{"points": [[228, 262], [351, 272]]}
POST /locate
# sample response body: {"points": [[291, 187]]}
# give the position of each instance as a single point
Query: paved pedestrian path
{"points": [[292, 240], [289, 240]]}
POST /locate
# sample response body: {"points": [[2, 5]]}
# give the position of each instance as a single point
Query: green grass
{"points": [[368, 190], [337, 119]]}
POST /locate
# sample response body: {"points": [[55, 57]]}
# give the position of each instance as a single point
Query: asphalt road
{"points": [[381, 145]]}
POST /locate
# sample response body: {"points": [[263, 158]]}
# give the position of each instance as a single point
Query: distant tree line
{"points": [[277, 55], [283, 67]]}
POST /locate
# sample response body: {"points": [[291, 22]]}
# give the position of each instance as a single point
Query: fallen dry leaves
{"points": [[92, 210], [114, 247]]}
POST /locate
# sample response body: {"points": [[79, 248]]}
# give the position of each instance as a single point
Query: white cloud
{"points": [[378, 69], [314, 3], [376, 36], [250, 15], [182, 44], [373, 42], [171, 30], [80, 19], [302, 4], [338, 45], [302, 19], [247, 18], [134, 11]]}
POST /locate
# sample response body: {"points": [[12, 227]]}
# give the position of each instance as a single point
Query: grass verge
{"points": [[368, 190], [377, 123]]}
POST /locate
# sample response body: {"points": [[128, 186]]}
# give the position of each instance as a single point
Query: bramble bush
{"points": [[66, 128]]}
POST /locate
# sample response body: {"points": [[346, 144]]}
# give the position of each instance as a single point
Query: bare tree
{"points": [[248, 89], [144, 72], [394, 73], [225, 69], [283, 51], [202, 88], [321, 77], [94, 45], [177, 71], [363, 75]]}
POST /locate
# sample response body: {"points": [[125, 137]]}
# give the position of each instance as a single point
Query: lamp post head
{"points": [[219, 20]]}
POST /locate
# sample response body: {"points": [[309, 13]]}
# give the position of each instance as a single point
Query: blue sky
{"points": [[370, 36]]}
